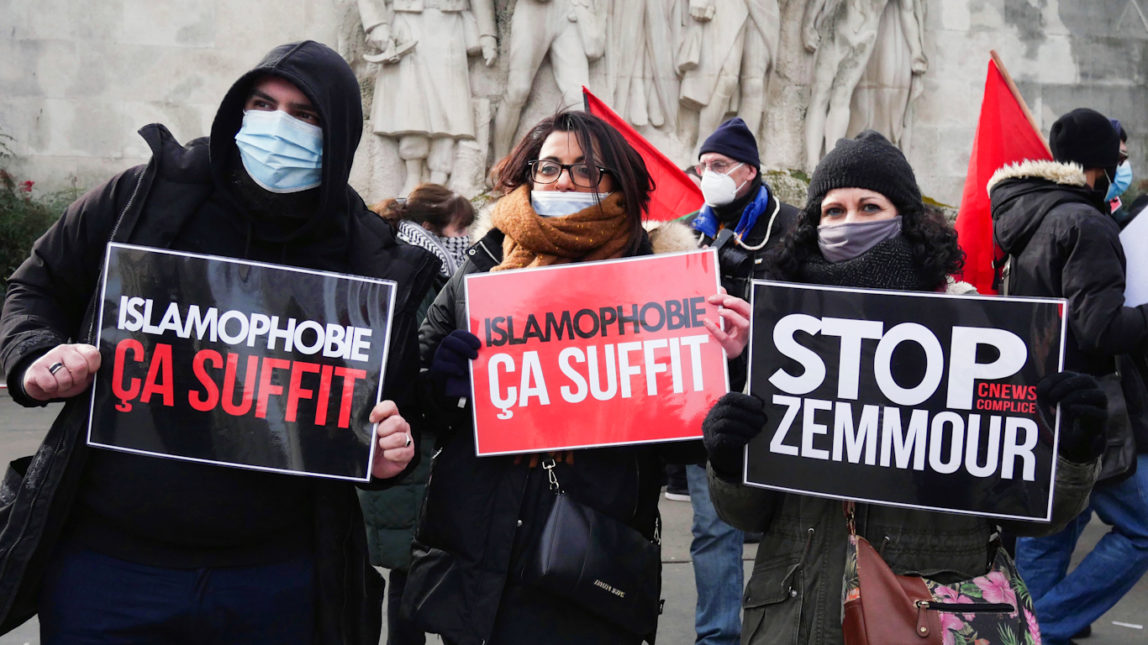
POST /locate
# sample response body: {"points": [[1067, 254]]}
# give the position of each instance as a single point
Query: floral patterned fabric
{"points": [[1002, 584]]}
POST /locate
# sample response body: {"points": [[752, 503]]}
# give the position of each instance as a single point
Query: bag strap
{"points": [[1002, 279]]}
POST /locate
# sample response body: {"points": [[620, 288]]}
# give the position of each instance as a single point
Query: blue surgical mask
{"points": [[1120, 182], [557, 203], [281, 153]]}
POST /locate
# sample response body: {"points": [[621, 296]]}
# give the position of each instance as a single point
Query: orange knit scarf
{"points": [[595, 233]]}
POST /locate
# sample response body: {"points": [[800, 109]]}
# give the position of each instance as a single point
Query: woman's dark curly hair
{"points": [[932, 240]]}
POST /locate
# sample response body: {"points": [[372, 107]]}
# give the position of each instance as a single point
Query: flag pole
{"points": [[1019, 99]]}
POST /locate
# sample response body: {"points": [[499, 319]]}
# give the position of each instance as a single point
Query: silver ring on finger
{"points": [[55, 367], [408, 440]]}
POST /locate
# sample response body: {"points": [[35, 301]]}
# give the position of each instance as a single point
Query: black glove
{"points": [[731, 423], [450, 366], [1084, 411]]}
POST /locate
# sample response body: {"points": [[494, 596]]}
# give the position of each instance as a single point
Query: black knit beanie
{"points": [[734, 140], [1085, 137], [868, 161]]}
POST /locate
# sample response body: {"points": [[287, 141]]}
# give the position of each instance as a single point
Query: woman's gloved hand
{"points": [[1084, 411], [450, 366], [731, 423]]}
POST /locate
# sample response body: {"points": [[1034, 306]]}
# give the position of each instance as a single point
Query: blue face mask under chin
{"points": [[1120, 182], [281, 153]]}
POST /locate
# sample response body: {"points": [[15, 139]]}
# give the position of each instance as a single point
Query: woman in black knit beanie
{"points": [[864, 226], [914, 249]]}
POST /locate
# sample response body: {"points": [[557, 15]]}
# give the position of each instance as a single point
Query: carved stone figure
{"points": [[640, 66], [727, 45], [893, 79], [844, 33], [572, 32], [422, 92]]}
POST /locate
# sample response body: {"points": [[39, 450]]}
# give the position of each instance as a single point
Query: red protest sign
{"points": [[594, 354]]}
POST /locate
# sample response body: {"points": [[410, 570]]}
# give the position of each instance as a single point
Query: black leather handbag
{"points": [[593, 560]]}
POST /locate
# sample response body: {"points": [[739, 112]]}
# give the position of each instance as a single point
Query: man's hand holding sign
{"points": [[63, 372], [395, 446]]}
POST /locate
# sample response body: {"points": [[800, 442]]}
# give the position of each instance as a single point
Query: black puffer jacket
{"points": [[1064, 246], [184, 198], [479, 512]]}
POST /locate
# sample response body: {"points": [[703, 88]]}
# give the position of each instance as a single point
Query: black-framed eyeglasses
{"points": [[544, 171]]}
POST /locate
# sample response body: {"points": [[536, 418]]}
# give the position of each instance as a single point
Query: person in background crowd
{"points": [[744, 220], [133, 548], [574, 191], [1052, 218], [865, 226], [434, 218], [1121, 180]]}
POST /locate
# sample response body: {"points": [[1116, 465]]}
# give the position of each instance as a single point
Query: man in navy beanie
{"points": [[737, 200], [1052, 219], [743, 219]]}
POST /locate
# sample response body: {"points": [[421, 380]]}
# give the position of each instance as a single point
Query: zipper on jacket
{"points": [[484, 250]]}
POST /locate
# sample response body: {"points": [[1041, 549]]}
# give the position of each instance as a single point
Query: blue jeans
{"points": [[1065, 604], [718, 574], [89, 598]]}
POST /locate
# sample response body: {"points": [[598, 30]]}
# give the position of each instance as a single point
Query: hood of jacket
{"points": [[1022, 195], [326, 79]]}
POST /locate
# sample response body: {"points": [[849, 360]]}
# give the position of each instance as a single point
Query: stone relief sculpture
{"points": [[640, 65], [422, 91], [894, 77], [727, 46], [843, 34], [674, 67], [572, 32]]}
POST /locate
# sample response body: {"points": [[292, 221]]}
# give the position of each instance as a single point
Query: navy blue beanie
{"points": [[734, 140]]}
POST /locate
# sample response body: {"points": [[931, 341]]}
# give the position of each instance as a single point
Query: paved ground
{"points": [[21, 430]]}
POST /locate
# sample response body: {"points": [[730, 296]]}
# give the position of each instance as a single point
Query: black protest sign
{"points": [[922, 400], [239, 363]]}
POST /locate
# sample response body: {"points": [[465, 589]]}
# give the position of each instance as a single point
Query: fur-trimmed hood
{"points": [[1068, 174], [1023, 194]]}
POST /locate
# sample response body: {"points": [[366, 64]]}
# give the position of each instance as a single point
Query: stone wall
{"points": [[77, 79]]}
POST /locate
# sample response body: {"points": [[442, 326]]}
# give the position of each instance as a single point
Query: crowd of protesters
{"points": [[116, 547]]}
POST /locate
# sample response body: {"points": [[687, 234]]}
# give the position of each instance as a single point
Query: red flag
{"points": [[675, 194], [1006, 133]]}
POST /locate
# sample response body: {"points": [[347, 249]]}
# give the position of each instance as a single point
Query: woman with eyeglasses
{"points": [[574, 191]]}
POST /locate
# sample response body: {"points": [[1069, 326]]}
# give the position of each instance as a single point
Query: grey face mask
{"points": [[847, 241]]}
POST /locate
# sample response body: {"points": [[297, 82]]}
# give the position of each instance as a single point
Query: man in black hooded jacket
{"points": [[111, 546], [1052, 219]]}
